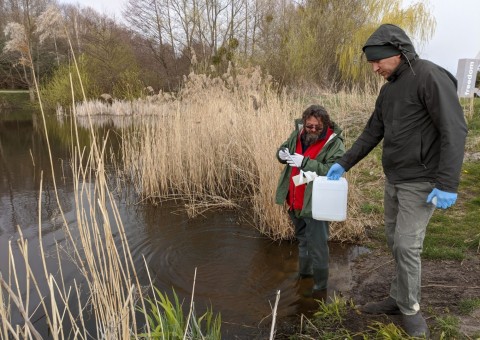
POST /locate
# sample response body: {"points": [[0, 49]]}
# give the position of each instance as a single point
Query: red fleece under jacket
{"points": [[296, 193]]}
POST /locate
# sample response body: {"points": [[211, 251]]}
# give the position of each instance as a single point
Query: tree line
{"points": [[156, 42]]}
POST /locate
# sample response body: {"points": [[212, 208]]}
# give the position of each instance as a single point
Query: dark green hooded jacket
{"points": [[331, 151], [419, 118]]}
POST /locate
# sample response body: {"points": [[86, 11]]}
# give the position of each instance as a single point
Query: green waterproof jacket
{"points": [[332, 150]]}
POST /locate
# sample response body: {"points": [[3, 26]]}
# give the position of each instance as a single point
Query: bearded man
{"points": [[314, 145]]}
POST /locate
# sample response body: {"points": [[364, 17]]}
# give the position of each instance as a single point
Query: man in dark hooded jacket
{"points": [[421, 122]]}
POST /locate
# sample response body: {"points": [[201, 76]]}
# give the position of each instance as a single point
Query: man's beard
{"points": [[310, 138]]}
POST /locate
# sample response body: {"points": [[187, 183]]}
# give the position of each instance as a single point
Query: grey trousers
{"points": [[312, 236], [406, 218]]}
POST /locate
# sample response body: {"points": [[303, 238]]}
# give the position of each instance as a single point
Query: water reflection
{"points": [[238, 270]]}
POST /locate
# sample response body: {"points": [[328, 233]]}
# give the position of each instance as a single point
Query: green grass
{"points": [[167, 320], [451, 234], [327, 323], [15, 105], [14, 97], [13, 91], [389, 331], [467, 306], [448, 327], [331, 313], [369, 208]]}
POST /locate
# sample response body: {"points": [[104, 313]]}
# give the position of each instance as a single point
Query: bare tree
{"points": [[23, 45], [185, 24], [151, 20]]}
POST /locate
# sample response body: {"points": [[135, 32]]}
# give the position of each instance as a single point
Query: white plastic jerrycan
{"points": [[329, 199]]}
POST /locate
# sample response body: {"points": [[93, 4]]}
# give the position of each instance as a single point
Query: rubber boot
{"points": [[416, 326], [305, 267], [320, 295], [320, 279], [387, 306]]}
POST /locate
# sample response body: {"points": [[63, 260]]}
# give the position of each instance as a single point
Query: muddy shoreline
{"points": [[444, 285]]}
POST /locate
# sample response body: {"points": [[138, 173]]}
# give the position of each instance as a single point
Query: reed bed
{"points": [[160, 103], [110, 293], [110, 290], [214, 147]]}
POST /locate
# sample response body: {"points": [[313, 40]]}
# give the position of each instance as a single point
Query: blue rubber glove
{"points": [[335, 172], [444, 199]]}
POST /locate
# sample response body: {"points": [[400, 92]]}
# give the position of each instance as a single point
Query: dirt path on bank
{"points": [[444, 285]]}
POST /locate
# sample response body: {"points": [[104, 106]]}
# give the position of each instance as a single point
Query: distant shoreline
{"points": [[13, 91]]}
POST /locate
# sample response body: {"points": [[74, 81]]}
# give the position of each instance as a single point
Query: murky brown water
{"points": [[238, 270]]}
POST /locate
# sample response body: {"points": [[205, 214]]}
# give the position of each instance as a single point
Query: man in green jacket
{"points": [[314, 145], [419, 118]]}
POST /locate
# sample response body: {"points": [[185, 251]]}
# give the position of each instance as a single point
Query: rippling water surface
{"points": [[238, 270]]}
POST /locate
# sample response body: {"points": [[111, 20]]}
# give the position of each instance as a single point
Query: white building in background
{"points": [[466, 76]]}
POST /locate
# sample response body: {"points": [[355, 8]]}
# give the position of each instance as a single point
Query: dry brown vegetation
{"points": [[112, 288], [214, 144], [110, 294]]}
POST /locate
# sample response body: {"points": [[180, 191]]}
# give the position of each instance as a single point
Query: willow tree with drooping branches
{"points": [[323, 41], [416, 20]]}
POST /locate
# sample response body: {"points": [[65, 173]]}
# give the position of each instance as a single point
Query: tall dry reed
{"points": [[112, 287], [216, 148]]}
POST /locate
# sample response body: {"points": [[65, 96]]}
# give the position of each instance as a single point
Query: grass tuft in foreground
{"points": [[167, 321], [447, 327], [469, 305]]}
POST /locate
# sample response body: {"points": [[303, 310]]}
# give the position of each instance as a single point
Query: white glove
{"points": [[295, 160], [304, 177], [283, 154]]}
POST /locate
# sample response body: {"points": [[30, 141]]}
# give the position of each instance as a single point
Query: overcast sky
{"points": [[457, 34]]}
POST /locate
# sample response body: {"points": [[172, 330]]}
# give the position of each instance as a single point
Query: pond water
{"points": [[238, 270]]}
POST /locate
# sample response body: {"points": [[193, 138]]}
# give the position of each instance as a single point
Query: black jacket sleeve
{"points": [[441, 100], [370, 137]]}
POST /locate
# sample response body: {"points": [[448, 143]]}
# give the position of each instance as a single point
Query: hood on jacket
{"points": [[388, 34]]}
